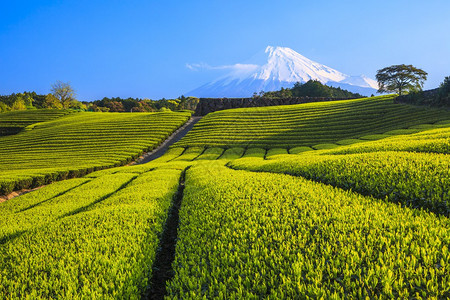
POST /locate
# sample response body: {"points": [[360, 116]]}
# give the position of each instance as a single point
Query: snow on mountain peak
{"points": [[278, 67], [362, 81], [284, 64]]}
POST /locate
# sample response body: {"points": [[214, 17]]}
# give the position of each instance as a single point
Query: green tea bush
{"points": [[418, 180], [85, 238], [309, 124], [79, 143], [246, 235]]}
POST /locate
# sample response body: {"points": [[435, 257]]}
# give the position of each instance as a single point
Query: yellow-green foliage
{"points": [[373, 137], [300, 149], [211, 154], [15, 121], [324, 146], [349, 141], [328, 232], [232, 153], [275, 151], [308, 124], [190, 154], [80, 143], [435, 140], [95, 241], [42, 210], [246, 235], [255, 152], [169, 155], [420, 180]]}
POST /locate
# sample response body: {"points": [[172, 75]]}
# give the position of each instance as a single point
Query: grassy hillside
{"points": [[362, 217], [86, 237], [15, 121], [72, 145], [309, 124], [261, 234], [247, 235]]}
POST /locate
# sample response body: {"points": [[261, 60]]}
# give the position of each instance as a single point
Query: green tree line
{"points": [[63, 96], [312, 88], [117, 104], [439, 97], [32, 100]]}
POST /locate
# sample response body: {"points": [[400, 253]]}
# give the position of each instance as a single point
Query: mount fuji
{"points": [[278, 67]]}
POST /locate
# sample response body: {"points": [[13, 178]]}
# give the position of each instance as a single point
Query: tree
{"points": [[312, 88], [75, 104], [400, 78], [115, 106], [3, 107], [285, 93], [172, 104], [64, 93], [51, 102], [444, 92], [28, 100], [191, 103], [19, 103], [444, 88]]}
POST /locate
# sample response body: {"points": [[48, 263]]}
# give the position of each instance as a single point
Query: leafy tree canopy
{"points": [[400, 78], [64, 92], [117, 104], [312, 88]]}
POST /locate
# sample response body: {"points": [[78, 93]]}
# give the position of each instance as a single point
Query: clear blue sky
{"points": [[141, 48]]}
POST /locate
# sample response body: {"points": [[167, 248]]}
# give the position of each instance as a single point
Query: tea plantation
{"points": [[314, 124], [79, 143], [15, 121], [333, 200]]}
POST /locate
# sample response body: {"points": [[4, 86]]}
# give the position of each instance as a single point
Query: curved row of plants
{"points": [[90, 238], [75, 145], [15, 121], [247, 235], [418, 180], [307, 124], [242, 234]]}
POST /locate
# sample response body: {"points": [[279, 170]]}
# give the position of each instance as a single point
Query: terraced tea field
{"points": [[246, 235], [318, 125], [365, 215], [79, 143], [85, 237], [15, 121]]}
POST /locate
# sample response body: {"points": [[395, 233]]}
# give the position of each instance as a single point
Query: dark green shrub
{"points": [[6, 187]]}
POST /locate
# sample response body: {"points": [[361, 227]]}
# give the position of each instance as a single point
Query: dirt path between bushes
{"points": [[147, 157], [162, 271], [161, 149], [18, 193]]}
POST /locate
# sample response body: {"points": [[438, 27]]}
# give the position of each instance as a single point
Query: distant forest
{"points": [[312, 88], [142, 105], [32, 100], [439, 97]]}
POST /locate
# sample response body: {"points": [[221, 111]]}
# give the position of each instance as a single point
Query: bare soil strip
{"points": [[18, 193], [162, 271]]}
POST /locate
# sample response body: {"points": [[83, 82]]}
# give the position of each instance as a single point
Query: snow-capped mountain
{"points": [[279, 67]]}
